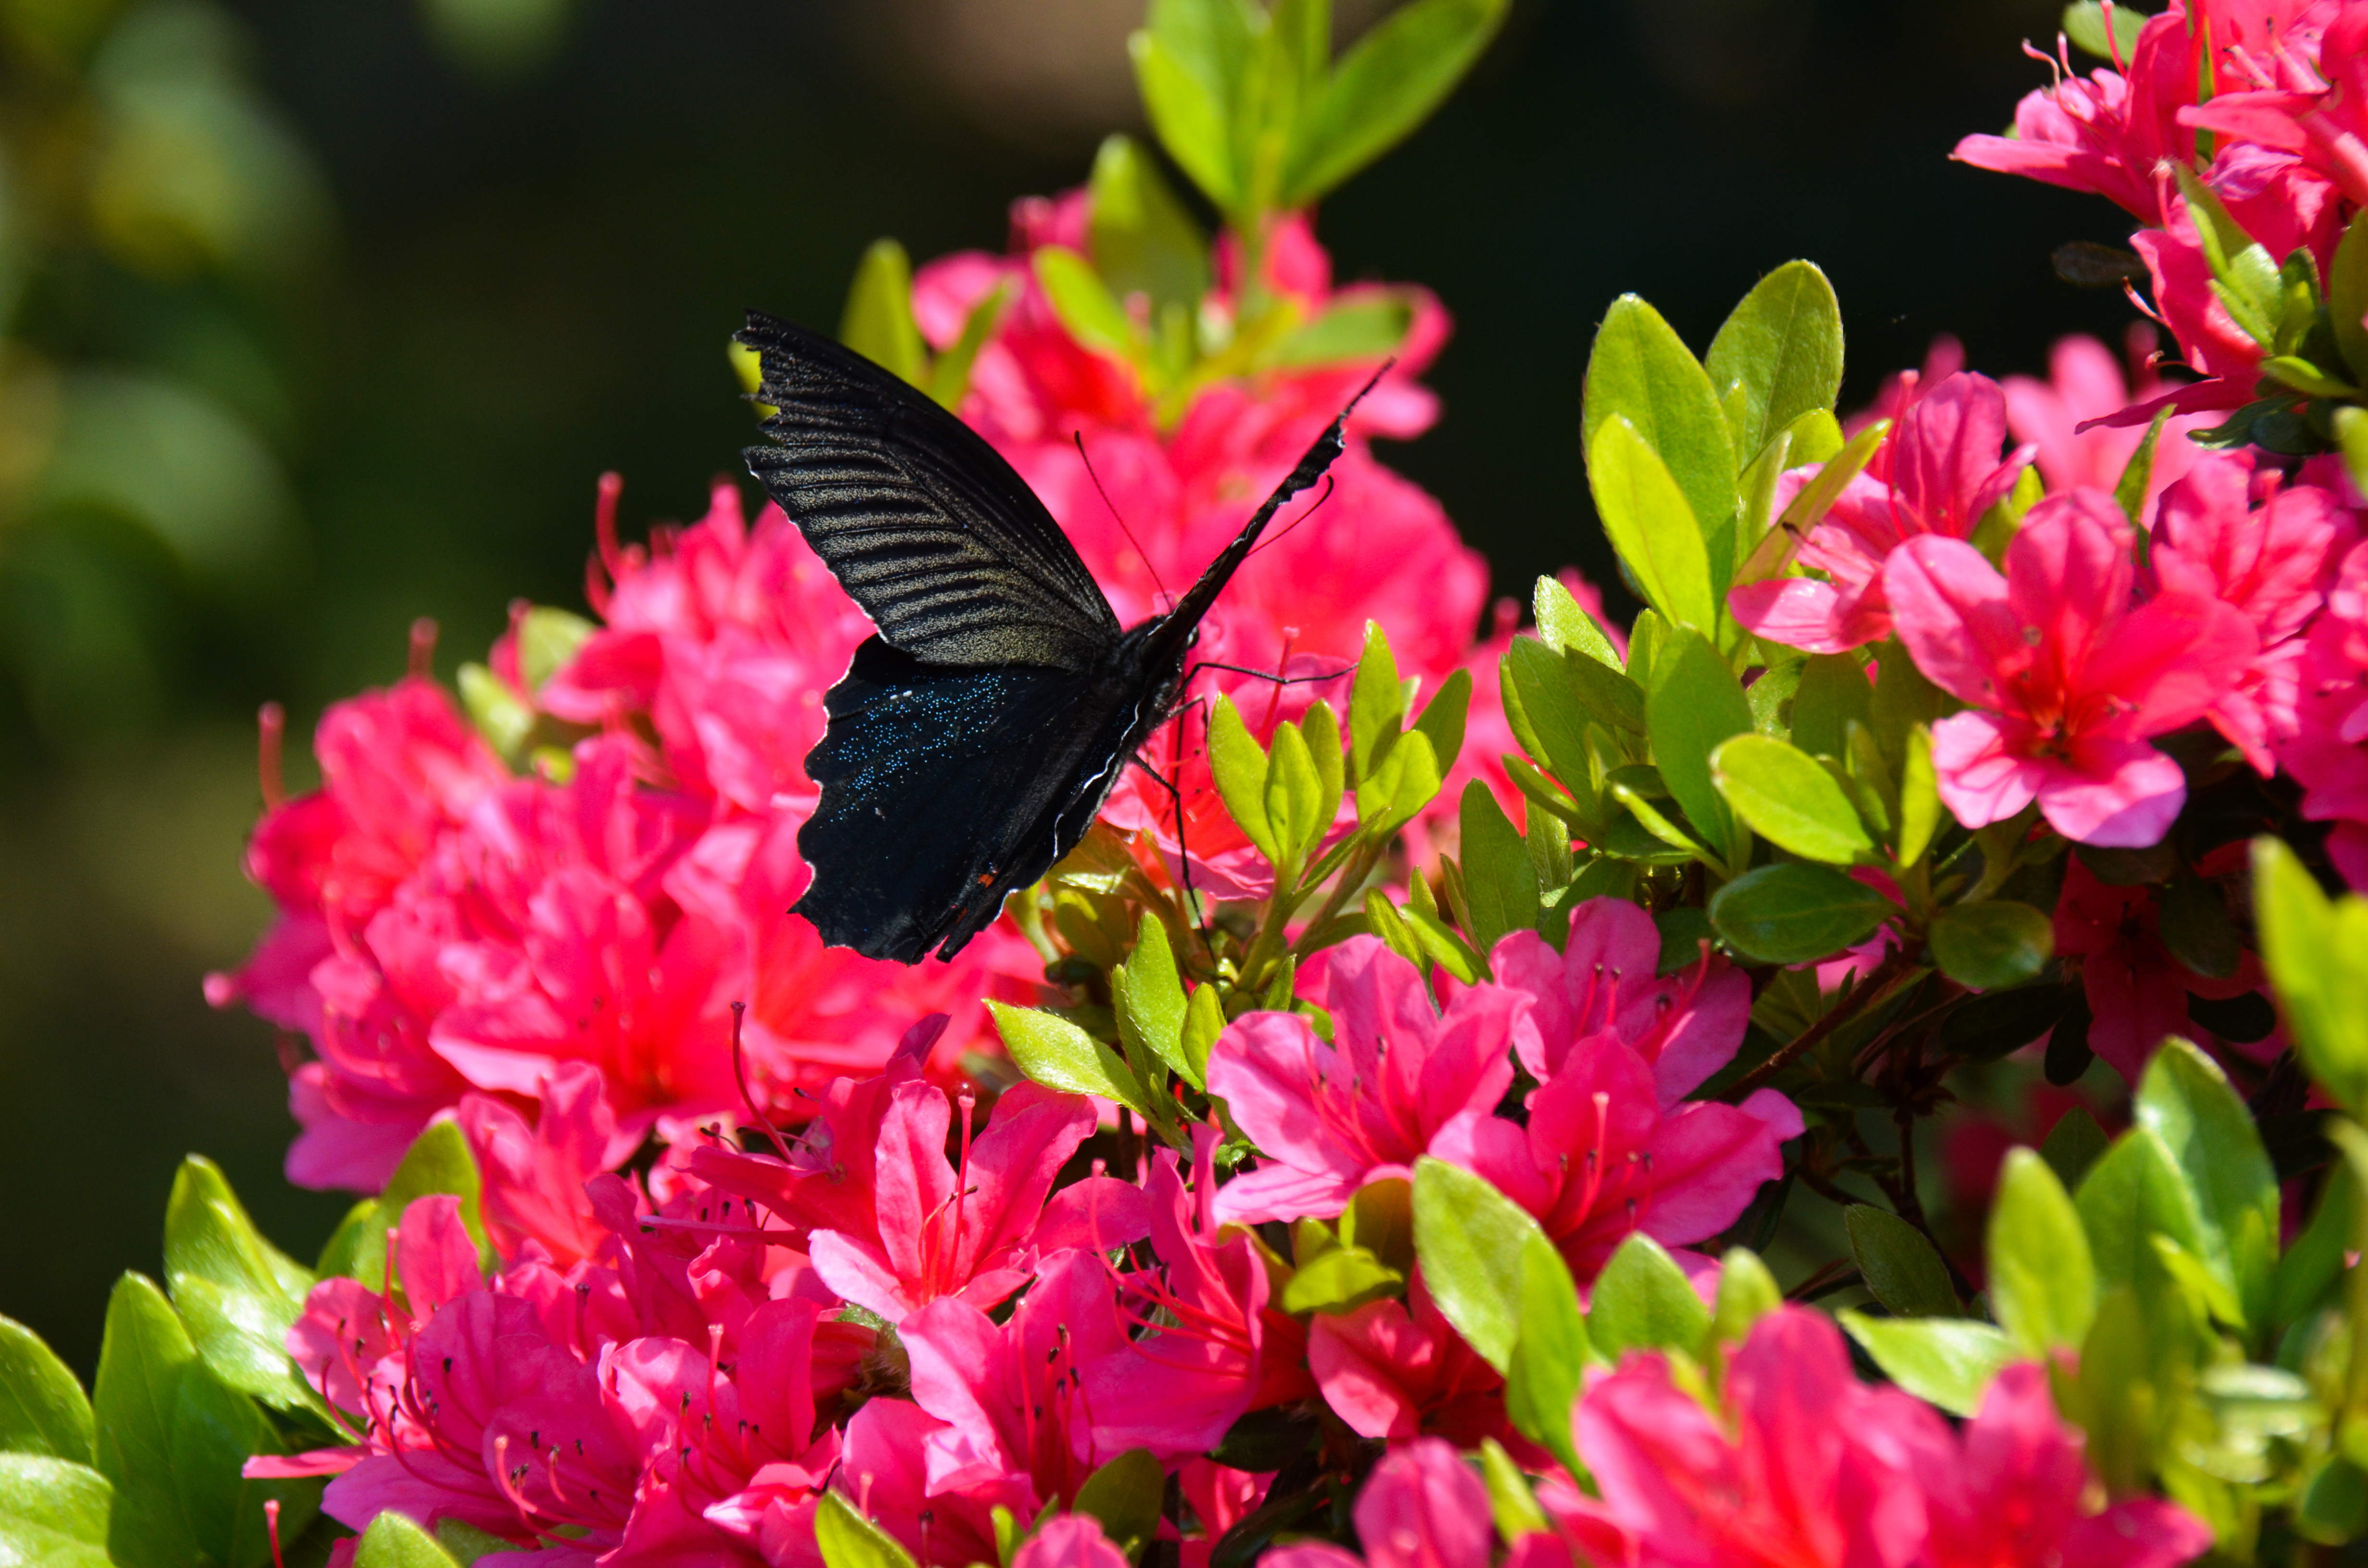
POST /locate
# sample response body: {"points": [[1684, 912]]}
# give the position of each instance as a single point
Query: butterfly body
{"points": [[973, 739]]}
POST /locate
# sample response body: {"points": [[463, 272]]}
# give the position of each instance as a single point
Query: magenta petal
{"points": [[2119, 795], [1981, 780], [1267, 1067], [1424, 1507], [1709, 1162], [1072, 1540], [1951, 607], [1799, 612], [1283, 1192]]}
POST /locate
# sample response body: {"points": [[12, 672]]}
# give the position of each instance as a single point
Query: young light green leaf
{"points": [[1058, 1054], [1782, 346], [878, 320], [1360, 329], [1376, 704], [1443, 946], [1125, 1495], [1320, 728], [53, 1513], [2042, 1282], [392, 1541], [43, 1408], [1641, 371], [1083, 302], [1142, 238], [1295, 794], [1464, 1233], [438, 1161], [1833, 692], [2347, 297], [1510, 1500], [236, 1293], [2073, 1145], [847, 1540], [1994, 945], [1898, 1264], [1943, 1361], [1651, 524], [1205, 1020], [1341, 1280], [1643, 1301], [1407, 781], [2107, 35], [1240, 764], [1694, 703], [2316, 953], [1147, 995], [1550, 1354], [1188, 59], [1793, 914], [1501, 885], [1919, 797], [2135, 1193], [2185, 1099], [2130, 489], [1442, 719], [1386, 85], [1564, 624], [2309, 1268], [1787, 800], [1385, 921], [1747, 1292]]}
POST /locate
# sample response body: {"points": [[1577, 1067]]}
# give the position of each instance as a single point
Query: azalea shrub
{"points": [[1859, 1061]]}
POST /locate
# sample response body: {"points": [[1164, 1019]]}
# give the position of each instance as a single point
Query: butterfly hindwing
{"points": [[942, 790], [926, 526]]}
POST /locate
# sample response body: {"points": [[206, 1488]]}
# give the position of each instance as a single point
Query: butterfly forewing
{"points": [[926, 526]]}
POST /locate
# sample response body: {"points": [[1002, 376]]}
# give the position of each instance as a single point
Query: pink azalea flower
{"points": [[2311, 99], [886, 1477], [1072, 1540], [2325, 754], [534, 1176], [1328, 1119], [2108, 132], [1602, 1158], [2066, 682], [2058, 417], [1602, 986], [1422, 1507], [1940, 473], [2268, 561], [1806, 1467], [2137, 991], [1394, 1370]]}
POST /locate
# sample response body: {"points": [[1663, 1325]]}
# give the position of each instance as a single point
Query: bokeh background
{"points": [[320, 315]]}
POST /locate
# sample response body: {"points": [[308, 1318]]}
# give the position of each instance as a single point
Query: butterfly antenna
{"points": [[1079, 436], [1283, 532]]}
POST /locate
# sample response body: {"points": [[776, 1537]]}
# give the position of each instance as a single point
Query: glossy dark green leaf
{"points": [[1782, 346], [1983, 1028], [1793, 914], [43, 1408], [1787, 800], [1464, 1233], [53, 1513], [2185, 1099], [1643, 1301], [1694, 704], [1944, 1361], [392, 1541], [1898, 1264], [1387, 84], [1125, 1495], [1993, 944], [878, 320], [2195, 924], [2042, 1279]]}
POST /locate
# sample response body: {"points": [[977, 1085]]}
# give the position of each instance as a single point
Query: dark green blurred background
{"points": [[323, 314]]}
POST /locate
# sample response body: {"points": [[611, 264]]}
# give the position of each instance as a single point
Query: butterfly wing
{"points": [[945, 788], [946, 547]]}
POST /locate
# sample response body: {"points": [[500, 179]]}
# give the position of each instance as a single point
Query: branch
{"points": [[1885, 975]]}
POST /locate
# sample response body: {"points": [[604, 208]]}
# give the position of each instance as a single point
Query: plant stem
{"points": [[1886, 974]]}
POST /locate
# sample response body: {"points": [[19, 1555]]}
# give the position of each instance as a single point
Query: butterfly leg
{"points": [[1265, 674], [1183, 855]]}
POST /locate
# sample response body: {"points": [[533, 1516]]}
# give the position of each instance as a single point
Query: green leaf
{"points": [[1648, 519], [878, 320], [1358, 329], [2135, 1192], [950, 377], [1341, 1280], [1564, 624], [236, 1293], [1442, 719], [1919, 797], [2184, 1099], [1747, 1292], [1148, 994], [1787, 799], [1833, 691], [438, 1161], [1376, 704], [1640, 371], [1550, 1355], [1240, 766], [1467, 1234], [43, 1408], [2130, 489], [1142, 237], [1125, 1495], [847, 1540], [466, 1543], [1058, 1054], [1501, 885], [1407, 781], [1187, 61], [2332, 1506], [1694, 704], [495, 711], [2074, 1145], [1783, 347], [393, 1541], [1943, 1361], [1510, 1501], [1205, 1020], [1534, 678], [2244, 275], [53, 1513], [2347, 297], [1083, 302], [1793, 913], [2043, 1281], [2316, 953], [1443, 946], [172, 1436], [2309, 1268], [1386, 85], [1295, 798], [1992, 946], [1642, 1301], [2085, 24], [1898, 1264]]}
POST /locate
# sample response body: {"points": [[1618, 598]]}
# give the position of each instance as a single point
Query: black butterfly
{"points": [[971, 741]]}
